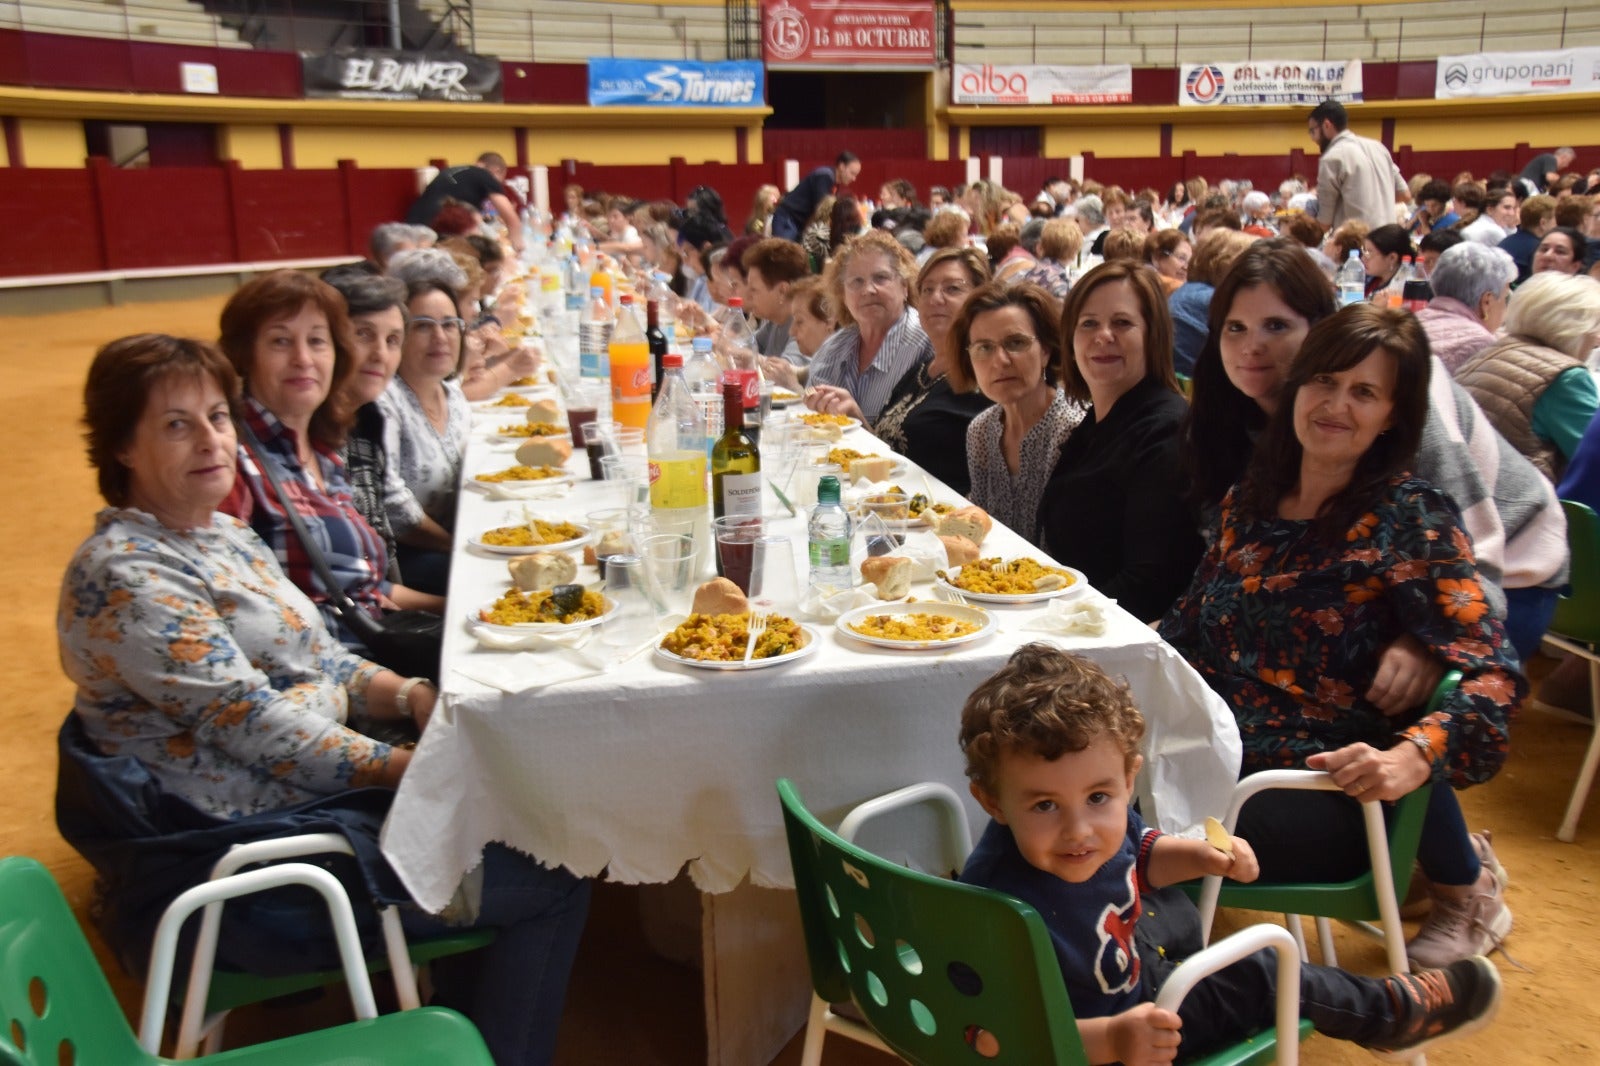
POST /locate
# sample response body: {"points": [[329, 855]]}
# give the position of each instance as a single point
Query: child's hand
{"points": [[1245, 868], [1145, 1034]]}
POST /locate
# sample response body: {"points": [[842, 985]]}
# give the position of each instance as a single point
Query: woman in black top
{"points": [[930, 408], [1114, 507]]}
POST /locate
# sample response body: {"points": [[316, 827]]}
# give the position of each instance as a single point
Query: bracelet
{"points": [[403, 696]]}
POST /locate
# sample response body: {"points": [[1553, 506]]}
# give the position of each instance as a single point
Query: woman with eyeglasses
{"points": [[426, 419], [1007, 341], [1114, 507], [287, 336]]}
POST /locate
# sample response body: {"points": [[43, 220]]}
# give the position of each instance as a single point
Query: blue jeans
{"points": [[1528, 614], [424, 569], [1304, 836]]}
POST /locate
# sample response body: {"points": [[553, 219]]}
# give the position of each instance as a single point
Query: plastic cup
{"points": [[670, 569], [736, 537], [633, 617], [609, 520], [774, 582], [631, 473], [888, 506], [599, 441]]}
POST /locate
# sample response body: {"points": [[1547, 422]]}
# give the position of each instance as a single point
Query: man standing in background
{"points": [[799, 203], [483, 180], [1356, 177]]}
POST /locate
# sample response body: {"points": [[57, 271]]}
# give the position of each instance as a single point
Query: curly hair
{"points": [[871, 240], [1045, 702]]}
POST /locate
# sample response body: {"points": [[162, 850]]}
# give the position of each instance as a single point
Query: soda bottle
{"points": [[661, 292], [740, 354], [1352, 280], [629, 357], [656, 337], [703, 375], [594, 337], [1394, 292], [675, 439], [828, 537]]}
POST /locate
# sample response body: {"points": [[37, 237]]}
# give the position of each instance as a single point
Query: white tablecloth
{"points": [[653, 766]]}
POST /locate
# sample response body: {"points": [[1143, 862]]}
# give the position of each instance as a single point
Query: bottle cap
{"points": [[670, 360], [736, 301], [701, 344], [626, 298], [828, 489]]}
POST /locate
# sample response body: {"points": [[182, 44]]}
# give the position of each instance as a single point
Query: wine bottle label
{"points": [[741, 494]]}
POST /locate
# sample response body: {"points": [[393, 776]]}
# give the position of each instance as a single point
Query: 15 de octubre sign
{"points": [[848, 33]]}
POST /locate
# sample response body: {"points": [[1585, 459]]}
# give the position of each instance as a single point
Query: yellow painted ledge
{"points": [[53, 103], [1468, 109]]}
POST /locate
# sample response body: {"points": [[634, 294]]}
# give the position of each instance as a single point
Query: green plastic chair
{"points": [[1371, 897], [1575, 628], [947, 973], [203, 1018], [56, 1007]]}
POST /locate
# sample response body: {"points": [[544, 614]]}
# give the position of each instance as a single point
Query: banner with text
{"points": [[675, 83], [380, 74], [999, 83], [848, 33], [1572, 70], [1269, 81]]}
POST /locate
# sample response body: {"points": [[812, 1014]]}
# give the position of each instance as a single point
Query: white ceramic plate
{"points": [[528, 549], [1079, 583], [986, 623], [507, 411], [844, 427], [517, 439], [541, 627], [810, 646], [559, 479], [897, 525]]}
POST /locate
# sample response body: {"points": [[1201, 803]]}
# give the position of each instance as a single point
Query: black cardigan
{"points": [[1114, 507]]}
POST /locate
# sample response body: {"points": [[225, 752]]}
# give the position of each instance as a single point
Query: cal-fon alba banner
{"points": [[998, 83], [1572, 70], [1269, 81], [848, 33]]}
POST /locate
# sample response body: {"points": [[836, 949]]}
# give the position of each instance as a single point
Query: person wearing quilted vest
{"points": [[1534, 384]]}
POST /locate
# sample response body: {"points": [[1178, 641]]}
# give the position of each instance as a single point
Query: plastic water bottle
{"points": [[702, 374], [740, 354], [574, 283], [1352, 280], [828, 537], [662, 296], [1394, 292], [675, 438], [594, 337]]}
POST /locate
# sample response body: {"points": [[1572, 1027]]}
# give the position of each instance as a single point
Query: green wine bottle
{"points": [[735, 461]]}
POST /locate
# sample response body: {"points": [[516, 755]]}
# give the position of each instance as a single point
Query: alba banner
{"points": [[995, 83], [1574, 70], [1269, 81]]}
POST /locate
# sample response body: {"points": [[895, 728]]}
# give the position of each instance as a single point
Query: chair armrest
{"points": [[953, 816], [1230, 950], [158, 986], [256, 851]]}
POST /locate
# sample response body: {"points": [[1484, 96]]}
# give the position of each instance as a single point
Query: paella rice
{"points": [[512, 399], [913, 627], [531, 533], [522, 473], [518, 608], [817, 418], [1017, 577], [533, 429], [720, 638]]}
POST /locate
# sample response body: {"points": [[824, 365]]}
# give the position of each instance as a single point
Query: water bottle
{"points": [[573, 282], [662, 295], [701, 373], [594, 338], [739, 353], [675, 438], [828, 537], [1394, 292], [1352, 280]]}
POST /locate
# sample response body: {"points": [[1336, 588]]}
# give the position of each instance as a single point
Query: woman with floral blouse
{"points": [[1328, 552], [194, 655]]}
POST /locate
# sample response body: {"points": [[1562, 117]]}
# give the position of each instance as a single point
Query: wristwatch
{"points": [[402, 697]]}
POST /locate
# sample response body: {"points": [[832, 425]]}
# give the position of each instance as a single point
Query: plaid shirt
{"points": [[354, 552], [838, 362]]}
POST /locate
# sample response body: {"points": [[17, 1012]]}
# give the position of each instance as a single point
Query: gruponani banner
{"points": [[1572, 70]]}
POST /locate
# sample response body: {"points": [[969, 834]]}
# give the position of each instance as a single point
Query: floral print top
{"points": [[1288, 629], [429, 461], [192, 652]]}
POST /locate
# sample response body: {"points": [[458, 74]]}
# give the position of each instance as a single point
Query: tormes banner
{"points": [[997, 83], [1269, 81], [380, 74], [848, 33], [1573, 70], [675, 83]]}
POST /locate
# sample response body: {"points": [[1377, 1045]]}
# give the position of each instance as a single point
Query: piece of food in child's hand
{"points": [[1218, 837]]}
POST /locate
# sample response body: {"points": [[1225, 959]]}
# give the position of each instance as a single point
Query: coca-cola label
{"points": [[749, 387]]}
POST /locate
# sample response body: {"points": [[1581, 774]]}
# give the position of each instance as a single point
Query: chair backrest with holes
{"points": [[51, 989], [1578, 610], [944, 972]]}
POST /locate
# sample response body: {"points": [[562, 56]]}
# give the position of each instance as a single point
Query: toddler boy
{"points": [[1052, 748]]}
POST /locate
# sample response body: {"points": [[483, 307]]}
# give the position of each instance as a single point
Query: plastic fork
{"points": [[950, 595], [758, 626]]}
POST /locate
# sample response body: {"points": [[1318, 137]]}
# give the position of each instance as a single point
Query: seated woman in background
{"points": [[1169, 251], [1381, 254], [285, 335], [1114, 506], [426, 421], [1471, 290], [810, 326], [1007, 341], [1190, 304], [1561, 250], [1059, 244], [1533, 383], [772, 268], [1329, 552], [193, 655], [928, 412]]}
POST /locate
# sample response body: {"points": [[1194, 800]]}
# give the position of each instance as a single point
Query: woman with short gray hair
{"points": [[1471, 284]]}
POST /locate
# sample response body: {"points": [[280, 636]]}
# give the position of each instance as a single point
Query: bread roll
{"points": [[545, 451], [545, 411], [720, 596], [973, 523], [891, 574], [959, 550], [542, 570], [829, 433], [872, 468]]}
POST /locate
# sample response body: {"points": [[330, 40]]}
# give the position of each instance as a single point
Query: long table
{"points": [[655, 769]]}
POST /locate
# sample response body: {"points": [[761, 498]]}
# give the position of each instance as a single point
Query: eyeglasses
{"points": [[950, 290], [427, 324], [1015, 345], [881, 280]]}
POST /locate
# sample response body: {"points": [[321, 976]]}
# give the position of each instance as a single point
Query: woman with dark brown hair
{"points": [[286, 335], [1114, 506], [1006, 340], [1169, 251]]}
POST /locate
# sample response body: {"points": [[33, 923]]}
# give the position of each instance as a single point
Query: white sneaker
{"points": [[1460, 928]]}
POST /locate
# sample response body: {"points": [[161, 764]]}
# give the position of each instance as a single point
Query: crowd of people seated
{"points": [[1321, 507]]}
